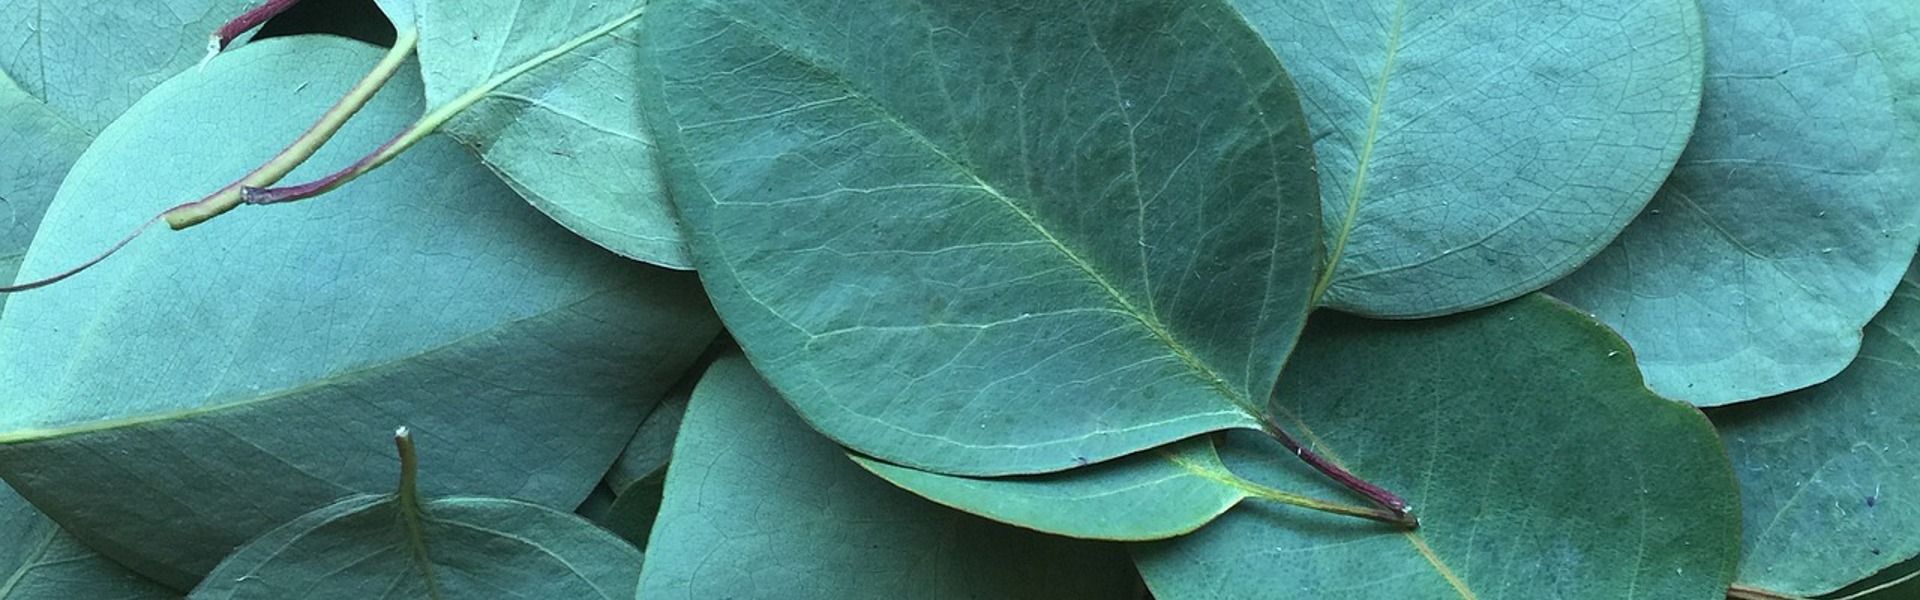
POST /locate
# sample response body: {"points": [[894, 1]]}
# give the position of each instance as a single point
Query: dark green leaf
{"points": [[1828, 475], [39, 561], [1471, 152], [1792, 214], [202, 387], [759, 505], [1033, 236], [1539, 466]]}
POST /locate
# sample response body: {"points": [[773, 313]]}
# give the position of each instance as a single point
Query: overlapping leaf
{"points": [[202, 387], [465, 547], [39, 561], [998, 239], [1468, 416], [1471, 152], [782, 512], [1790, 217], [565, 133], [1828, 476], [28, 178]]}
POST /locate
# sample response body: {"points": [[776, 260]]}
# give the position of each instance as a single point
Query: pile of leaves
{"points": [[961, 299]]}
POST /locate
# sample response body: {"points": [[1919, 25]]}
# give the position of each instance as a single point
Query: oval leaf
{"points": [[1828, 475], [1470, 417], [782, 511], [1471, 152], [1790, 217], [202, 387], [566, 133], [465, 548], [969, 259]]}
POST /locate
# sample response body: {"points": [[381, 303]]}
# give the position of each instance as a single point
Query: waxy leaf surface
{"points": [[40, 147], [1790, 217], [1471, 152], [1467, 417], [782, 513], [565, 134], [39, 561], [203, 387], [1033, 237], [1829, 477], [465, 547]]}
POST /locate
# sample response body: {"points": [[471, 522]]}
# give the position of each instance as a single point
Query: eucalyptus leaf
{"points": [[1145, 496], [566, 134], [40, 561], [1828, 475], [1035, 236], [61, 81], [466, 547], [1471, 152], [28, 178], [203, 387], [1469, 416], [639, 475], [1790, 217], [782, 512]]}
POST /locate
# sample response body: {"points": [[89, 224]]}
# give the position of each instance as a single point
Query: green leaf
{"points": [[759, 504], [1471, 416], [566, 134], [28, 179], [89, 61], [468, 548], [1034, 236], [203, 387], [1471, 152], [1790, 217], [639, 475], [1144, 496], [39, 561], [1827, 474], [61, 82]]}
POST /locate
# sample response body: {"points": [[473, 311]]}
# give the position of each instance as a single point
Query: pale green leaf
{"points": [[566, 134], [1471, 152], [42, 146], [204, 386], [1828, 475], [1792, 214], [758, 505], [39, 561], [1521, 434], [466, 548], [1034, 236]]}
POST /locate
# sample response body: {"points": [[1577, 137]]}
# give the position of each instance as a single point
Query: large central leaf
{"points": [[999, 238]]}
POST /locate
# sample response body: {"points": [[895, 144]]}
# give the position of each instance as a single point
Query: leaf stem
{"points": [[1393, 503], [412, 515], [21, 287], [248, 20], [1377, 514], [428, 123], [303, 147], [1741, 592]]}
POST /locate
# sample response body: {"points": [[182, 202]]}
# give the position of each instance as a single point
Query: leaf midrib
{"points": [[1359, 187], [33, 434], [1126, 306]]}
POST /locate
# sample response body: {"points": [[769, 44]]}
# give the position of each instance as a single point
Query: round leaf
{"points": [[465, 548], [1538, 464], [1828, 476], [202, 387], [1032, 237], [1471, 152], [1790, 217]]}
